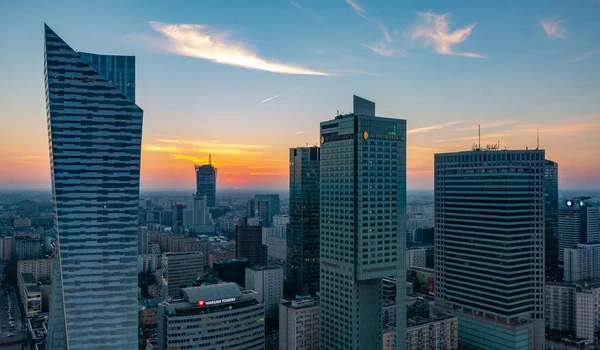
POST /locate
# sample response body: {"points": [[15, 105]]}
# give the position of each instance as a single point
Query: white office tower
{"points": [[197, 217], [299, 323], [489, 246], [95, 134], [363, 225], [267, 281], [212, 317]]}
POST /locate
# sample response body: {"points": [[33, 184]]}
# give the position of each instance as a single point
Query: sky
{"points": [[246, 80]]}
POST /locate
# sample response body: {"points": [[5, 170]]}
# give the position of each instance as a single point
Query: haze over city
{"points": [[246, 85]]}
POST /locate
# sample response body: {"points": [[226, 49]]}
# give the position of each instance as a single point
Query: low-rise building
{"points": [[299, 323], [179, 271], [438, 331], [210, 317], [31, 294]]}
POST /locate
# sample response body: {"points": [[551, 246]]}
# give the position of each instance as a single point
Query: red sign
{"points": [[201, 302]]}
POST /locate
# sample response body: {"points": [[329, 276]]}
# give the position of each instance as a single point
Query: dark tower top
{"points": [[206, 182]]}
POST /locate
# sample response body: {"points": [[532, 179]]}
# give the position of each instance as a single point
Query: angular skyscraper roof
{"points": [[95, 132]]}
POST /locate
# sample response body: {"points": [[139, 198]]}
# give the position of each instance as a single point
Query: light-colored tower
{"points": [[363, 229]]}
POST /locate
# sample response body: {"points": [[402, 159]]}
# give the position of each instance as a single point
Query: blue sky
{"points": [[520, 77]]}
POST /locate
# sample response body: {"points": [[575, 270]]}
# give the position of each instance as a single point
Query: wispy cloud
{"points": [[202, 41], [434, 30], [296, 5], [553, 27], [269, 99], [301, 132], [487, 125], [435, 127], [306, 10], [357, 8], [30, 157], [469, 138], [381, 49], [587, 55]]}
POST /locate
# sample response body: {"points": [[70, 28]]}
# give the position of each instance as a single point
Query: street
{"points": [[9, 300]]}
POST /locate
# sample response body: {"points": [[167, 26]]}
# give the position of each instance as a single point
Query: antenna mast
{"points": [[209, 159], [538, 139], [479, 127]]}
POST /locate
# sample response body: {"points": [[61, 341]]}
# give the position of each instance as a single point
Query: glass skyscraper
{"points": [[302, 262], [363, 228], [489, 246], [553, 272], [95, 133], [578, 222]]}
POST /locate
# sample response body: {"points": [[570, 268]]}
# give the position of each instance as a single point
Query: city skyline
{"points": [[538, 73]]}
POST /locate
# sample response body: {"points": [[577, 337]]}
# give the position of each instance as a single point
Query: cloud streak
{"points": [[201, 41], [270, 98], [486, 125], [587, 55], [357, 8], [553, 28], [436, 127], [434, 30]]}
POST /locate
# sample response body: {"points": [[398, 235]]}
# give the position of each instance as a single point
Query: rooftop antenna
{"points": [[479, 127], [538, 139], [209, 159]]}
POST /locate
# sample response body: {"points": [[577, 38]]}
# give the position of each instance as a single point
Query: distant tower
{"points": [[578, 222], [206, 182]]}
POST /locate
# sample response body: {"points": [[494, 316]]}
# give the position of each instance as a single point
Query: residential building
{"points": [[148, 263], [6, 247], [29, 247], [233, 270], [559, 306], [95, 133], [267, 282], [302, 262], [578, 222], [416, 258], [276, 248], [437, 331], [489, 245], [206, 182], [582, 263], [197, 217], [249, 245], [363, 228], [212, 317], [143, 242], [299, 319], [180, 270], [41, 269]]}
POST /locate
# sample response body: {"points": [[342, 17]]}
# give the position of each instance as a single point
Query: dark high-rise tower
{"points": [[578, 222], [95, 134], [302, 262], [206, 182], [553, 272], [248, 242], [363, 226]]}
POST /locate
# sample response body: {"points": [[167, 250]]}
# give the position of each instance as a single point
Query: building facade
{"points": [[41, 269], [302, 264], [248, 243], [416, 258], [206, 182], [582, 263], [29, 247], [267, 282], [553, 271], [95, 133], [299, 324], [363, 229], [180, 270], [233, 270], [578, 222], [559, 306], [212, 317], [489, 243]]}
